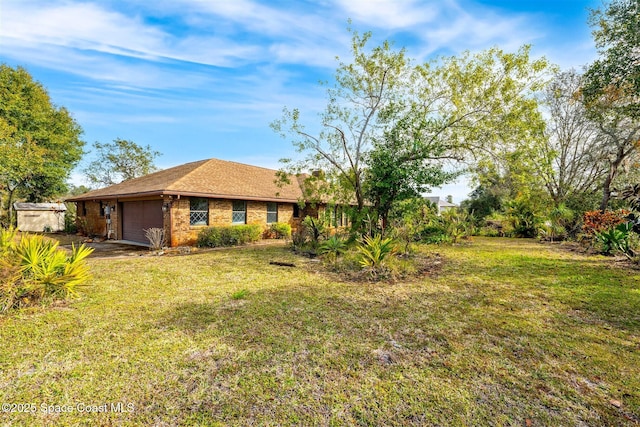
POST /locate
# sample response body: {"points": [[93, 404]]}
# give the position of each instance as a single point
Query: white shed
{"points": [[40, 217]]}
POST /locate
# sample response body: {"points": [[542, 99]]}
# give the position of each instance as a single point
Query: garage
{"points": [[138, 216]]}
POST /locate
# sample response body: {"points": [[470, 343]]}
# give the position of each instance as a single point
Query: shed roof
{"points": [[441, 203], [212, 178], [20, 206]]}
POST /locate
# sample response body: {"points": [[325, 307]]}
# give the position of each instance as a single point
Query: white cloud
{"points": [[390, 14]]}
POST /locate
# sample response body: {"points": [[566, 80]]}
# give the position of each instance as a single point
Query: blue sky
{"points": [[196, 79]]}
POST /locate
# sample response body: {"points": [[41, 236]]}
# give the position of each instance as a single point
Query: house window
{"points": [[198, 211], [272, 212], [239, 212], [296, 211]]}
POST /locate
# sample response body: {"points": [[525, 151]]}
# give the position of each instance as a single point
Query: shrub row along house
{"points": [[184, 199]]}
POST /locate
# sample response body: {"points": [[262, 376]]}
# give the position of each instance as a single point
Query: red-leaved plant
{"points": [[597, 222]]}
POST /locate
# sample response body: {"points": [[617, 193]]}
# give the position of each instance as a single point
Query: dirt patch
{"points": [[108, 249]]}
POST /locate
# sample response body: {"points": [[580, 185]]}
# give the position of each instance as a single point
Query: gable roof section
{"points": [[211, 178]]}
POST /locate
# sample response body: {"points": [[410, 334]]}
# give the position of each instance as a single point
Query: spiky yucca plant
{"points": [[36, 268], [374, 252]]}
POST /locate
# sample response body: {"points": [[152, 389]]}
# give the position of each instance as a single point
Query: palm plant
{"points": [[374, 252], [333, 247]]}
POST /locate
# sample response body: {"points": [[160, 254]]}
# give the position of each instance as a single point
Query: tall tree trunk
{"points": [[613, 171]]}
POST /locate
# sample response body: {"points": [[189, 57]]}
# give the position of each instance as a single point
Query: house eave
{"points": [[178, 194]]}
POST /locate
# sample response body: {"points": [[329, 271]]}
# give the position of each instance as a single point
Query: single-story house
{"points": [[441, 205], [184, 199], [40, 217]]}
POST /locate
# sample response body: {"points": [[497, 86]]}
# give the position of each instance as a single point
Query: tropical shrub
{"points": [[333, 247], [374, 252], [457, 225], [616, 240], [35, 270], [523, 218], [597, 221], [213, 237], [560, 223], [7, 240], [280, 230]]}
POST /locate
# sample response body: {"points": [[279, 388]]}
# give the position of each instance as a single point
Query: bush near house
{"points": [[213, 237], [280, 230]]}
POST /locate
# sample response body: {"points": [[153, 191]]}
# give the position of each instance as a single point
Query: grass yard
{"points": [[509, 332]]}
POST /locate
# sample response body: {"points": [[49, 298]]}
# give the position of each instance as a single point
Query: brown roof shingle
{"points": [[205, 178]]}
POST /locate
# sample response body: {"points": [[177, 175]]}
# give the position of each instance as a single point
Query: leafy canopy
{"points": [[389, 125], [119, 161], [39, 141]]}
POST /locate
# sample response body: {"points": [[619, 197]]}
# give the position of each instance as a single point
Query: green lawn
{"points": [[508, 332]]}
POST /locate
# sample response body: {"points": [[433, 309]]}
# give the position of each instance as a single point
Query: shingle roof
{"points": [[212, 178], [442, 203]]}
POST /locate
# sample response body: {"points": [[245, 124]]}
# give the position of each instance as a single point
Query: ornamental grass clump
{"points": [[35, 270], [332, 248], [374, 253]]}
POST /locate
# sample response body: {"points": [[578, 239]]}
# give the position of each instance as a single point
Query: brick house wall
{"points": [[220, 213], [176, 219], [90, 219]]}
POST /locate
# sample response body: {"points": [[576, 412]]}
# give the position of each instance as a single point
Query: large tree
{"points": [[612, 84], [383, 110], [39, 142], [574, 144], [119, 161]]}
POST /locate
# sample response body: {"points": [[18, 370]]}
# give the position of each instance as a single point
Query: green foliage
{"points": [[333, 247], [374, 253], [316, 228], [388, 124], [40, 142], [119, 161], [457, 224], [399, 169], [280, 230], [410, 220], [612, 83], [213, 237], [561, 223], [524, 219], [241, 294], [35, 269], [482, 202], [7, 240], [614, 76], [616, 240], [572, 164]]}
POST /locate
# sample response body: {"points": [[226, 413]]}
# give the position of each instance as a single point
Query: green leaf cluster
{"points": [[35, 270], [119, 161], [39, 141], [389, 126], [374, 252], [213, 237]]}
